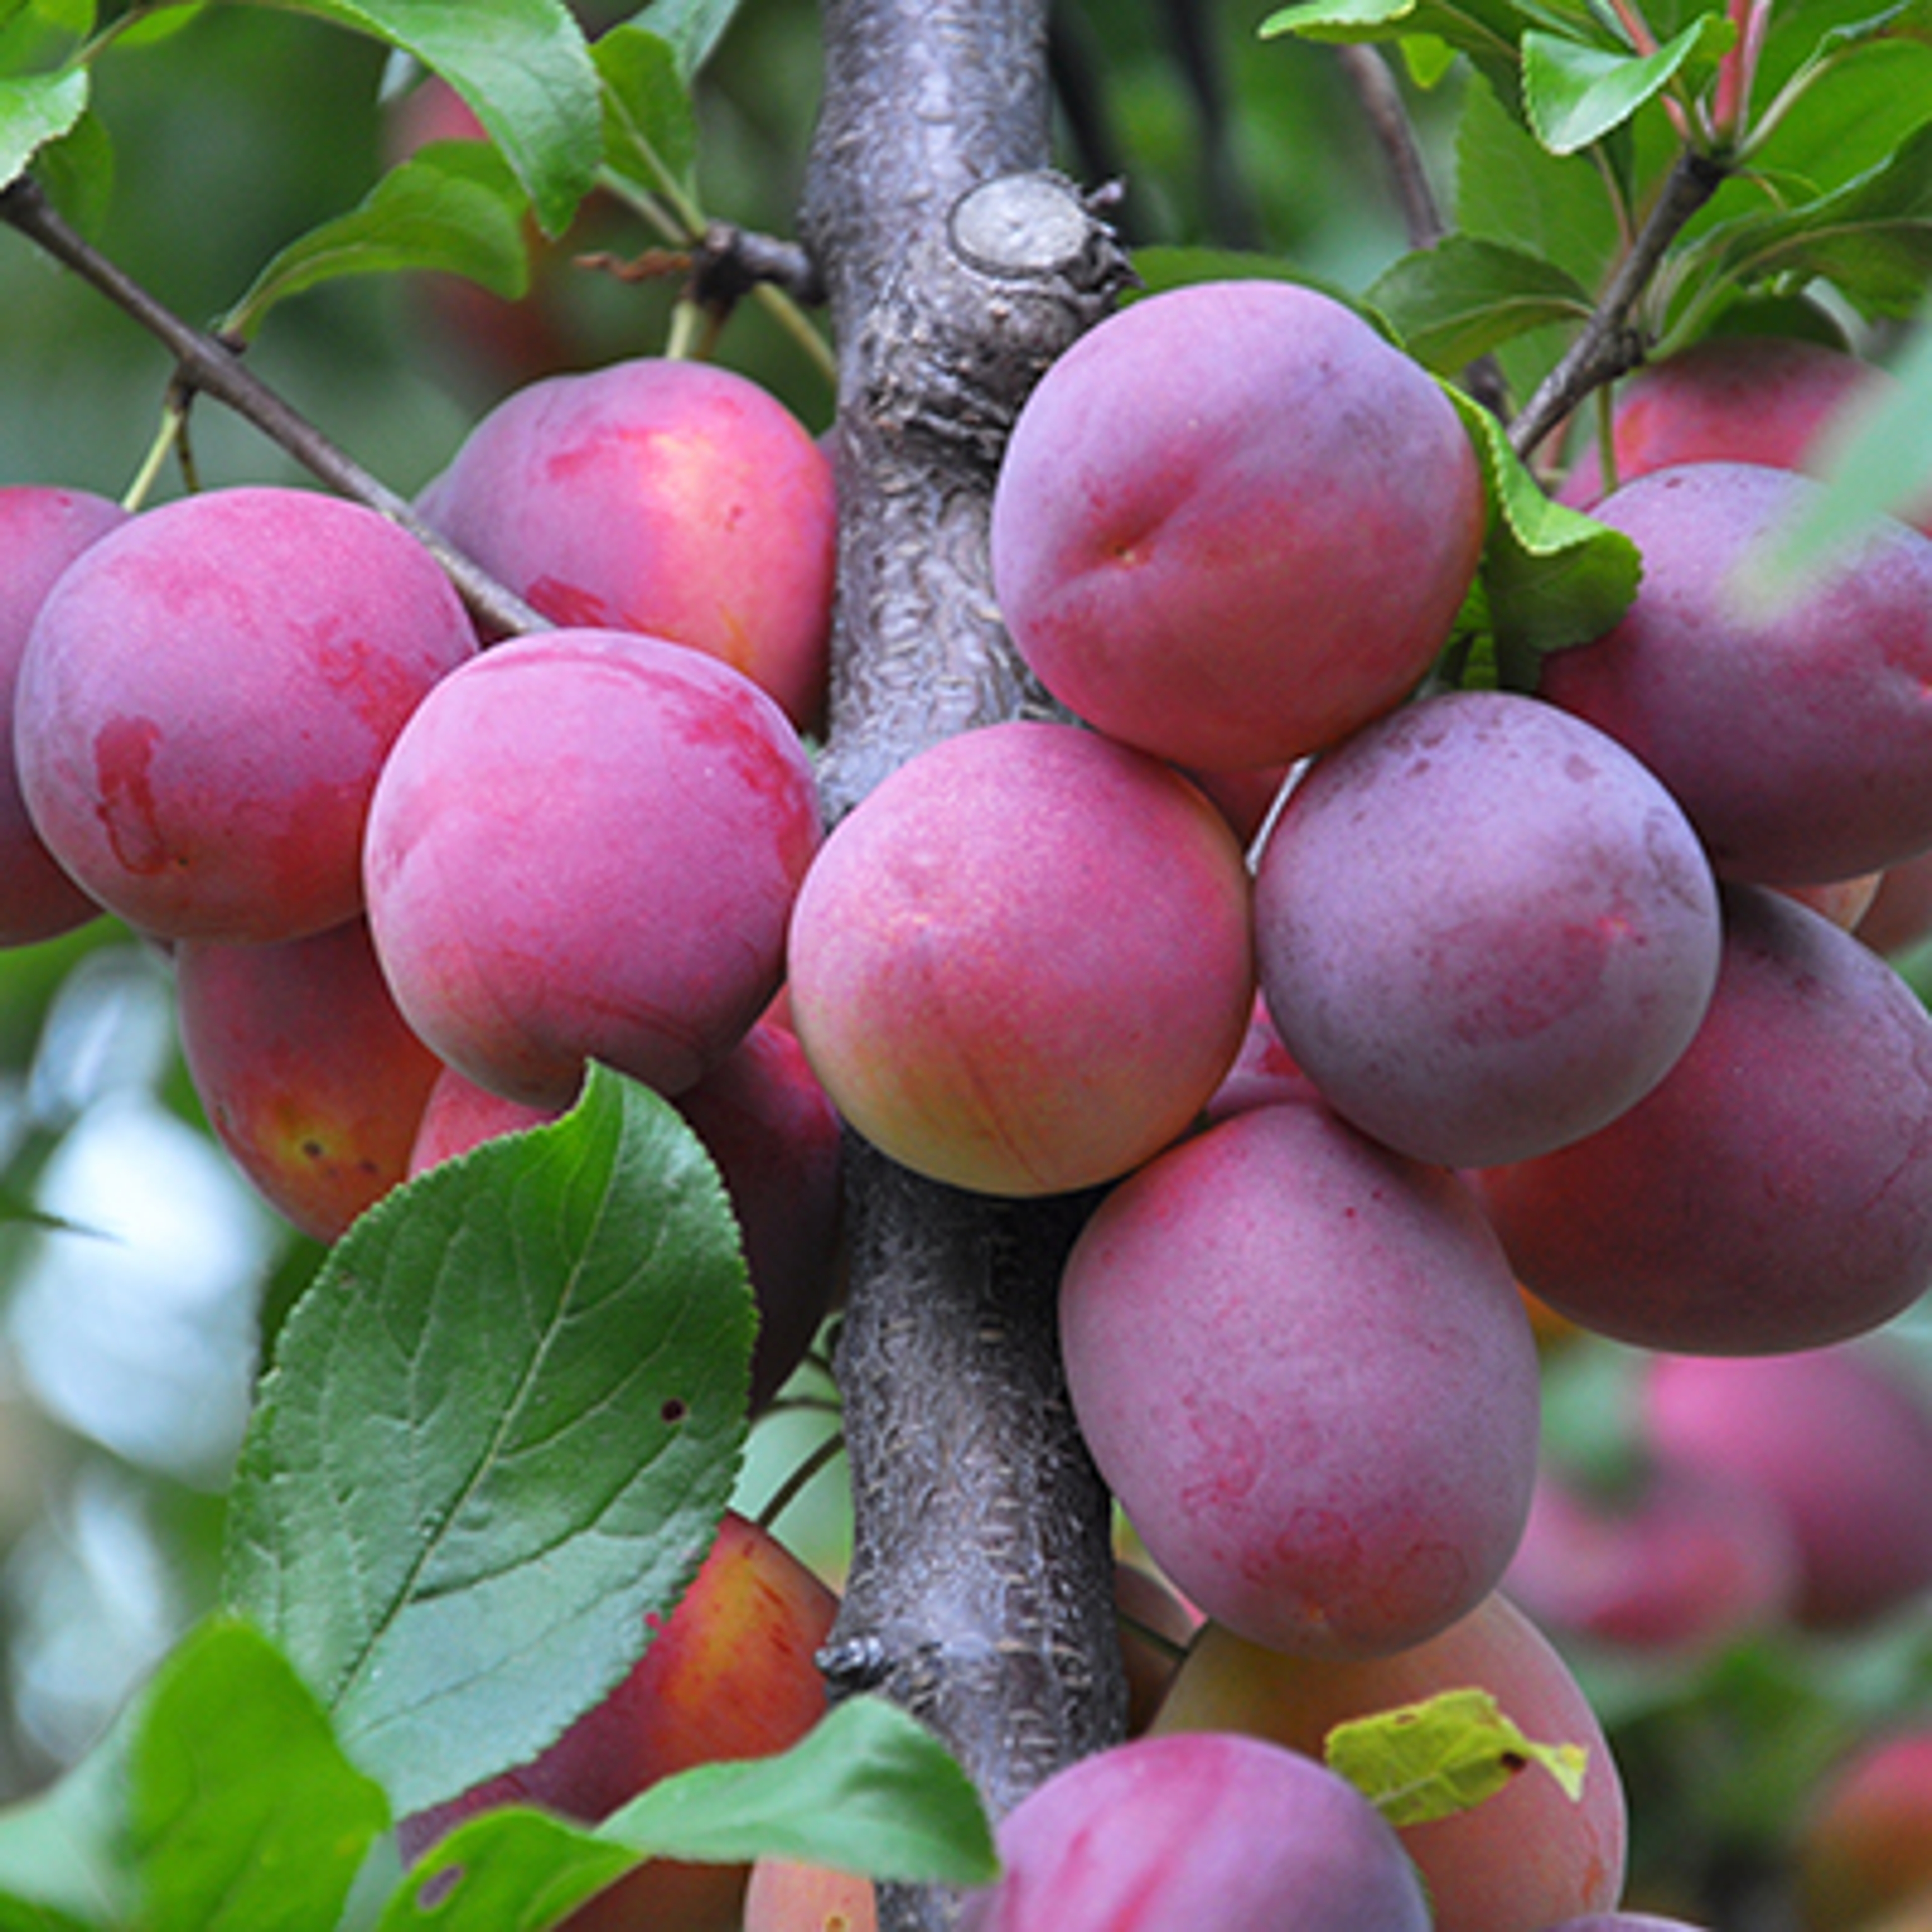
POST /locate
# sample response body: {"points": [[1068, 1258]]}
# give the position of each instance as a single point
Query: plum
{"points": [[1864, 1845], [1233, 522], [1213, 1830], [1024, 962], [1763, 399], [1774, 1191], [1512, 1863], [207, 696], [1838, 1440], [309, 1076], [674, 498], [42, 528], [1796, 733], [586, 845], [1303, 1367], [1484, 929], [731, 1674]]}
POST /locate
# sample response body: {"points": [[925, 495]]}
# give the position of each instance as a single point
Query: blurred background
{"points": [[137, 1270]]}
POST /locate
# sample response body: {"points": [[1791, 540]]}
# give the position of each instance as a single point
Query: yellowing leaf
{"points": [[1434, 1759]]}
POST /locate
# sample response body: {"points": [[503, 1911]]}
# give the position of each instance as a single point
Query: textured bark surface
{"points": [[980, 1594]]}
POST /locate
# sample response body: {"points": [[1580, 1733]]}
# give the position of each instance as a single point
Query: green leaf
{"points": [[246, 1816], [502, 1425], [650, 129], [1443, 1755], [867, 1789], [1487, 31], [1575, 95], [692, 29], [1872, 238], [1460, 299], [34, 109], [512, 1869], [1512, 191], [77, 171], [453, 205], [1551, 577], [524, 68]]}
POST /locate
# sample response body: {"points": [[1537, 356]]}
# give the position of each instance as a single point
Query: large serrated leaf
{"points": [[34, 109], [502, 1427], [453, 206], [522, 66], [245, 1817], [1434, 1758], [1575, 95], [1460, 299]]}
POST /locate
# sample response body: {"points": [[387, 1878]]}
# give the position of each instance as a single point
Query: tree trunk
{"points": [[980, 1595]]}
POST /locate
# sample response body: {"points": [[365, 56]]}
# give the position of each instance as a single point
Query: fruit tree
{"points": [[1136, 758]]}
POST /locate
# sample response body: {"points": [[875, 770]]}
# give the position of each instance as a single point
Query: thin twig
{"points": [[1388, 118], [207, 365], [1609, 346], [788, 1492]]}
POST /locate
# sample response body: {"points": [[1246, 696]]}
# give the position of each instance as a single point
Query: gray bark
{"points": [[980, 1595]]}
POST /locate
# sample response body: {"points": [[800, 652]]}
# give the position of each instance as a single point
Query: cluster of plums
{"points": [[1505, 989]]}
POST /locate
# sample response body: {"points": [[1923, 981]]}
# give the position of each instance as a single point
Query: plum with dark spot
{"points": [[207, 696], [309, 1076], [1484, 929], [1303, 1367], [586, 846]]}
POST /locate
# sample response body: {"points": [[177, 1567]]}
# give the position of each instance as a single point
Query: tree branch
{"points": [[207, 365], [980, 1593], [1608, 346]]}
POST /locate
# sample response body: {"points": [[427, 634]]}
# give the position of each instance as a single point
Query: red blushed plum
{"points": [[1233, 523], [1302, 1366], [586, 846], [1521, 1859], [785, 1897], [1216, 1832], [766, 1123], [1023, 963], [676, 499], [1798, 738], [1760, 399], [207, 696], [1484, 929], [1864, 1846], [730, 1674], [308, 1074], [1624, 1921], [42, 530], [1838, 1439], [1774, 1191], [1681, 1561]]}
